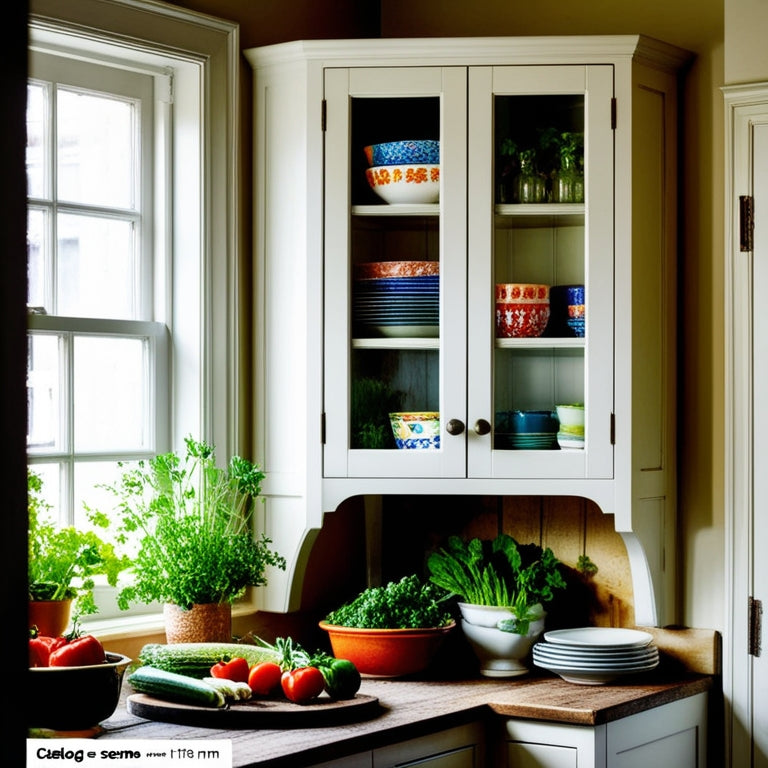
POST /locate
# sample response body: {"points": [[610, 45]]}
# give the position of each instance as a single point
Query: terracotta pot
{"points": [[205, 623], [51, 617], [386, 652]]}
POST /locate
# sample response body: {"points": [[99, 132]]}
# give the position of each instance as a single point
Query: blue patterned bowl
{"points": [[403, 153], [416, 430]]}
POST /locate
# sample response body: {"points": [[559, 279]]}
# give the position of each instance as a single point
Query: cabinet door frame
{"points": [[596, 83], [745, 675], [341, 86]]}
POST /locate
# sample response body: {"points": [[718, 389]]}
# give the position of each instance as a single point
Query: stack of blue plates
{"points": [[397, 306]]}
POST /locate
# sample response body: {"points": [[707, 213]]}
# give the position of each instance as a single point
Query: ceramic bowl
{"points": [[522, 309], [571, 417], [534, 430], [416, 430], [398, 184], [501, 654], [379, 269], [408, 152], [75, 698], [567, 310], [386, 652]]}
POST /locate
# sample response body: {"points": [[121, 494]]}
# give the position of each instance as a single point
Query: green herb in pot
{"points": [[404, 604]]}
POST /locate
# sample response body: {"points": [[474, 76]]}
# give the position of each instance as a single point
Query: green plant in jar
{"points": [[567, 151]]}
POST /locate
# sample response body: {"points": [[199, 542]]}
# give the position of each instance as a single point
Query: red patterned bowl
{"points": [[386, 652], [522, 309]]}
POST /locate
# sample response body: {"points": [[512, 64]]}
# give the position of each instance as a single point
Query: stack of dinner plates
{"points": [[596, 655], [397, 306]]}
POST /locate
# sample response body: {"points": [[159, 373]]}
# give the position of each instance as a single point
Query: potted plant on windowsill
{"points": [[62, 563], [503, 588], [197, 552]]}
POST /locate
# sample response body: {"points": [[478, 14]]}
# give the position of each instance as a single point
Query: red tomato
{"points": [[303, 684], [264, 678], [77, 652], [234, 669]]}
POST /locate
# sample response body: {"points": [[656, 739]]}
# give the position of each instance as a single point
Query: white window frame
{"points": [[202, 239]]}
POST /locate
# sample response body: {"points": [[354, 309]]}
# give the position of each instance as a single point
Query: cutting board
{"points": [[257, 712]]}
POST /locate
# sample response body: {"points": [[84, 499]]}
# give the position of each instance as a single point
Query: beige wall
{"points": [[746, 56], [697, 25]]}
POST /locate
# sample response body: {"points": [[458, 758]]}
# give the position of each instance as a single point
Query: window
{"points": [[133, 253], [97, 353]]}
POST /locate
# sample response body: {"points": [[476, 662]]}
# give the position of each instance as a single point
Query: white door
{"points": [[746, 663]]}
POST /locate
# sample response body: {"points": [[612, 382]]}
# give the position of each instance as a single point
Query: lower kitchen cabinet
{"points": [[674, 734], [460, 747]]}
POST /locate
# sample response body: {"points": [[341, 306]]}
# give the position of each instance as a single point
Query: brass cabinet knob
{"points": [[482, 427], [455, 427]]}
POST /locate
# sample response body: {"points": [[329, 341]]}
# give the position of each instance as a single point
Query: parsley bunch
{"points": [[404, 604]]}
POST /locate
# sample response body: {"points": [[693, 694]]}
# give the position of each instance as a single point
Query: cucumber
{"points": [[196, 659], [172, 686]]}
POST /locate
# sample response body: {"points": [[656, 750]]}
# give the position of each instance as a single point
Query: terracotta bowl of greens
{"points": [[390, 631]]}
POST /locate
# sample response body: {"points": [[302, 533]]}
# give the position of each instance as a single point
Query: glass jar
{"points": [[529, 185], [568, 182]]}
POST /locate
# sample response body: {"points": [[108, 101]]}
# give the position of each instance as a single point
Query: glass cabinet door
{"points": [[395, 272], [540, 272]]}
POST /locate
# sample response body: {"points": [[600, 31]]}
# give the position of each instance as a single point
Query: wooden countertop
{"points": [[412, 707]]}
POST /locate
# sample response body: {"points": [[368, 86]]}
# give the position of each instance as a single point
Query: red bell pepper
{"points": [[40, 647], [235, 669], [77, 651]]}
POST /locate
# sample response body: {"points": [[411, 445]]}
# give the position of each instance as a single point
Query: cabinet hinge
{"points": [[755, 626], [746, 223], [323, 114], [613, 429], [322, 428], [613, 113]]}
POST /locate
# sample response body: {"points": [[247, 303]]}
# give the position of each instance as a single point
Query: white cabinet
{"points": [[460, 747], [317, 105], [674, 734]]}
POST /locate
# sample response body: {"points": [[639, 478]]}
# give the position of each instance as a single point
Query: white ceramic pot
{"points": [[501, 654]]}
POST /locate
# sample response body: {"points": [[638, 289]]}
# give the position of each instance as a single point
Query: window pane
{"points": [[88, 476], [38, 257], [96, 275], [110, 394], [37, 143], [96, 149], [44, 393]]}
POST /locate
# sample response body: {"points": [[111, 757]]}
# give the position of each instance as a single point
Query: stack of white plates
{"points": [[596, 655]]}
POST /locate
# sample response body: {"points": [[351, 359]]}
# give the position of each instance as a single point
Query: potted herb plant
{"points": [[62, 563], [503, 588], [197, 552], [392, 630]]}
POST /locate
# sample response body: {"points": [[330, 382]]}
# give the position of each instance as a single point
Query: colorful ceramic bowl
{"points": [[416, 430], [408, 152], [377, 269], [398, 184], [386, 652], [567, 310], [522, 309]]}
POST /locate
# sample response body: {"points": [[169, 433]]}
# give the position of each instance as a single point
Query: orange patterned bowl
{"points": [[405, 183], [386, 652]]}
